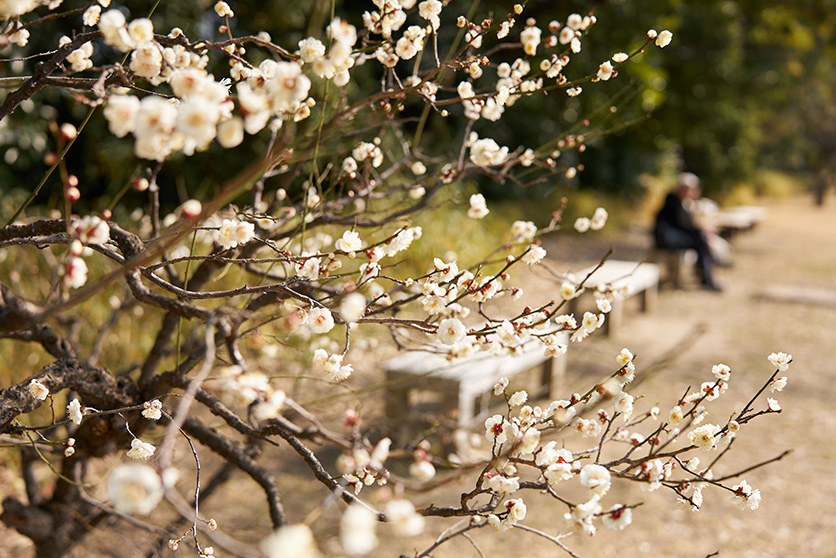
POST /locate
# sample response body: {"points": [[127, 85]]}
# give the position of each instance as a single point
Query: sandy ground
{"points": [[676, 345]]}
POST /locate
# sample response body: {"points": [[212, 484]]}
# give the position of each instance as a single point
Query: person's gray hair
{"points": [[688, 180]]}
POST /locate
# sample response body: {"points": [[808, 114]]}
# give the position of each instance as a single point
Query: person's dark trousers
{"points": [[679, 239]]}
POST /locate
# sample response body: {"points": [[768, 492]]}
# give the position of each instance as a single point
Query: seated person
{"points": [[675, 228], [704, 212]]}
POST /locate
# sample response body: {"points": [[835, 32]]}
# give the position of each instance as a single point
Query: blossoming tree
{"points": [[236, 286]]}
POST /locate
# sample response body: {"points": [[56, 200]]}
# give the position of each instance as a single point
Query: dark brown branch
{"points": [[319, 471], [95, 386], [237, 454], [43, 334], [42, 72]]}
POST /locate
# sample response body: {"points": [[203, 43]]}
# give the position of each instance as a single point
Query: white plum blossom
{"points": [[597, 478], [353, 307], [664, 39], [582, 224], [478, 208], [430, 10], [223, 9], [403, 518], [140, 450], [599, 219], [134, 488], [497, 429], [350, 242], [320, 320], [291, 540], [147, 60], [75, 275], [38, 390], [618, 517], [152, 410], [623, 403], [311, 49], [533, 255], [721, 372], [232, 233], [567, 290], [422, 470], [523, 230], [530, 38], [778, 384], [780, 360], [605, 71], [358, 527], [486, 152], [676, 415], [518, 398], [74, 411], [745, 497], [120, 112], [604, 305], [588, 428], [451, 331], [230, 132], [704, 436]]}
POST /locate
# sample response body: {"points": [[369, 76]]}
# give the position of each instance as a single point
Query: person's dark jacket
{"points": [[671, 221]]}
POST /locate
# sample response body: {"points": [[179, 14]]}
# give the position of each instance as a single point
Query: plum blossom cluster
{"points": [[522, 456], [323, 257]]}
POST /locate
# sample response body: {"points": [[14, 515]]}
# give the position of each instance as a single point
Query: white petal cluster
{"points": [[291, 540], [533, 255], [431, 10], [320, 320], [486, 152], [332, 364], [451, 331], [358, 530], [74, 411], [745, 497], [403, 518], [780, 360], [38, 390], [134, 489], [530, 38], [140, 450], [91, 230], [233, 233], [350, 242], [664, 39], [79, 59], [75, 273], [152, 410], [704, 437], [597, 478]]}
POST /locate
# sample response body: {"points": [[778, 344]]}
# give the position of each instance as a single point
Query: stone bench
{"points": [[737, 219], [673, 260], [631, 278], [464, 382]]}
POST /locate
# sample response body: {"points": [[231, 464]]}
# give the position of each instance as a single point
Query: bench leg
{"points": [[467, 407], [675, 268], [649, 297], [613, 321], [554, 375], [397, 405]]}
